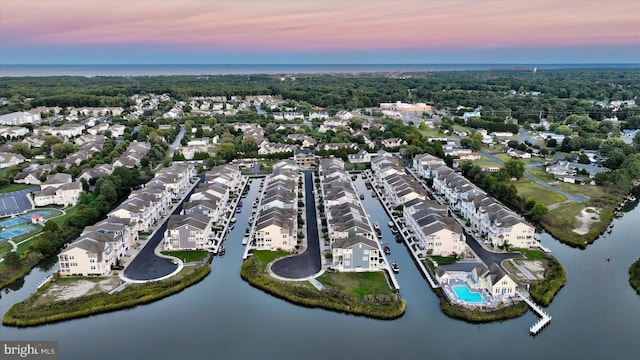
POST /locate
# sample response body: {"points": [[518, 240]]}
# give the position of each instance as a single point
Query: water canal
{"points": [[595, 316]]}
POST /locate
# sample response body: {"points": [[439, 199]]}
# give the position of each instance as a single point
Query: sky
{"points": [[319, 31]]}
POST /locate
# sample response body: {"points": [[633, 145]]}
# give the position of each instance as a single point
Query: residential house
{"points": [[188, 232], [361, 157], [64, 195], [10, 159], [356, 253]]}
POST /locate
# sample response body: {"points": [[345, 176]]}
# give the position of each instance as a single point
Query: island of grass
{"points": [[57, 301], [366, 293], [634, 276]]}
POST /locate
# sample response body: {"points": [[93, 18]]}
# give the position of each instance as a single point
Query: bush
{"points": [[634, 276], [543, 291]]}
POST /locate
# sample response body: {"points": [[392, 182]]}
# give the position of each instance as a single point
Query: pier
{"points": [[544, 317], [401, 231]]}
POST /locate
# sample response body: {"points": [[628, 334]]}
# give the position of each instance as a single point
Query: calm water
{"points": [[222, 69], [595, 316]]}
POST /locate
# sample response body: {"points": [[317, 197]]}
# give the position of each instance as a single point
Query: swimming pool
{"points": [[463, 293]]}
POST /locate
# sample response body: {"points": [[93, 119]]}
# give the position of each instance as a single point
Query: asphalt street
{"points": [[146, 265], [575, 198], [309, 262]]}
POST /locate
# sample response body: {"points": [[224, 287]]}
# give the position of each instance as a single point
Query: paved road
{"points": [[572, 197], [309, 262], [146, 265], [489, 257], [176, 143], [524, 136]]}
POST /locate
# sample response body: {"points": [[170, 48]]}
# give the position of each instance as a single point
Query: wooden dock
{"points": [[544, 317], [415, 257]]}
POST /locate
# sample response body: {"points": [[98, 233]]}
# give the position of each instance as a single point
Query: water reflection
{"points": [[596, 315]]}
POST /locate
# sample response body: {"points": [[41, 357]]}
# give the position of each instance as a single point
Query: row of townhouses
{"points": [[491, 219], [276, 223], [101, 245], [207, 207], [353, 244], [434, 231]]}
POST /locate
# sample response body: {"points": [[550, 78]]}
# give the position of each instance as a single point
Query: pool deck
{"points": [[489, 301]]}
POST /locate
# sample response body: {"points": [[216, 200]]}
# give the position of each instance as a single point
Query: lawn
{"points": [[530, 189], [532, 160], [357, 284], [263, 257], [432, 133], [531, 254], [541, 174], [61, 221], [444, 260], [187, 255], [591, 191], [14, 187]]}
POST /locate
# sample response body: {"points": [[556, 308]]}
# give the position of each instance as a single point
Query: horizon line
{"points": [[342, 64]]}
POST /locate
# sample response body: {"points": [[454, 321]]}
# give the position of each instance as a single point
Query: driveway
{"points": [[309, 262], [487, 256], [147, 265], [572, 197]]}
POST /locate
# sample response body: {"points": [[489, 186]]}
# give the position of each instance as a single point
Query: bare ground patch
{"points": [[587, 217], [81, 287]]}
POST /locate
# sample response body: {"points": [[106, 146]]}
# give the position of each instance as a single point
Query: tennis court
{"points": [[26, 218], [17, 231]]}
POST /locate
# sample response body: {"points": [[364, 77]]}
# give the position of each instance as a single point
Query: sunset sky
{"points": [[318, 31]]}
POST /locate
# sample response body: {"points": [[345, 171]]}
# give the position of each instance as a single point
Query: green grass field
{"points": [[357, 284], [530, 189], [14, 187], [187, 255]]}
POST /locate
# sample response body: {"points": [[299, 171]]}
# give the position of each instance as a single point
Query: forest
{"points": [[526, 96]]}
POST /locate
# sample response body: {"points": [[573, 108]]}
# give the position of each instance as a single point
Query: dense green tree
{"points": [[514, 168]]}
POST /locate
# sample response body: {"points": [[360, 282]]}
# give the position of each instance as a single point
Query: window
{"points": [[365, 258]]}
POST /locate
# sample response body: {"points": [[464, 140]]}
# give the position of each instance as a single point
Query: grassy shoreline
{"points": [[480, 316], [378, 306], [25, 314], [555, 276]]}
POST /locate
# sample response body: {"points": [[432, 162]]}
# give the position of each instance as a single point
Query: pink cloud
{"points": [[317, 25]]}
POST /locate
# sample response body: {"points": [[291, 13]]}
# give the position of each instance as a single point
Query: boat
{"points": [[361, 196], [238, 209], [250, 220], [394, 267], [246, 232], [221, 250], [398, 238], [394, 230], [386, 249], [373, 194], [233, 220], [376, 226], [231, 226], [391, 224], [245, 240]]}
